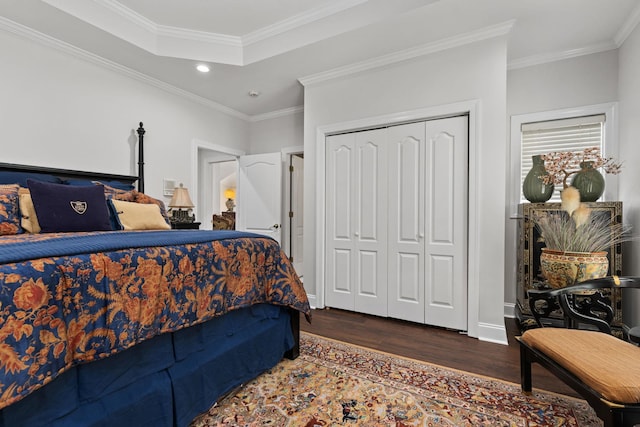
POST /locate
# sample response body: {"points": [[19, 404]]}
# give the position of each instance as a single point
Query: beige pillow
{"points": [[29, 219], [140, 216]]}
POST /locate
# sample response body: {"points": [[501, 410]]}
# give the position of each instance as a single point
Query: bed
{"points": [[130, 327]]}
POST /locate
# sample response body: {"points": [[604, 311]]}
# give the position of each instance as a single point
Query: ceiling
{"points": [[270, 45]]}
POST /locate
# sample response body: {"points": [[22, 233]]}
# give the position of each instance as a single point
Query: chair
{"points": [[223, 222], [586, 302], [605, 370]]}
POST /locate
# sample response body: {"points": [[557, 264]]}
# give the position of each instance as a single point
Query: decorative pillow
{"points": [[143, 198], [113, 184], [29, 219], [68, 208], [113, 216], [139, 216], [116, 193], [9, 210], [20, 178]]}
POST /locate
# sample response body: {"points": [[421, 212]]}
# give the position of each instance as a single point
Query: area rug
{"points": [[337, 384]]}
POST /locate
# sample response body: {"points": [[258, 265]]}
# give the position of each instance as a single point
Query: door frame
{"points": [[472, 109], [287, 152], [200, 149]]}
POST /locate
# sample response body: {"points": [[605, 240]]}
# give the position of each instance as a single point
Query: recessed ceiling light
{"points": [[203, 68], [254, 93]]}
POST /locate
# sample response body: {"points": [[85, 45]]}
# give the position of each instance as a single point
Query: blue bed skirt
{"points": [[165, 381]]}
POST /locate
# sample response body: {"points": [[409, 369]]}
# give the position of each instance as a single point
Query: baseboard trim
{"points": [[492, 333]]}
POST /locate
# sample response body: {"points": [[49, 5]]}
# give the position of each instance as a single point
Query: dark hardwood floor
{"points": [[431, 344]]}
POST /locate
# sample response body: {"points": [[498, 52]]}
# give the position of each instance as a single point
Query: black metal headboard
{"points": [[141, 132], [69, 174]]}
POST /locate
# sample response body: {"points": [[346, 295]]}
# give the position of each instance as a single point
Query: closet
{"points": [[396, 221]]}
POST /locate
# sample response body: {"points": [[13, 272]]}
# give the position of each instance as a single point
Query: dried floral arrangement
{"points": [[574, 229], [560, 165]]}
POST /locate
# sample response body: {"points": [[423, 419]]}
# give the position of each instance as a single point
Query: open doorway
{"points": [[294, 204], [214, 171]]}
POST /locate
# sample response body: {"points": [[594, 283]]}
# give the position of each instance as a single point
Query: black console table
{"points": [[528, 257]]}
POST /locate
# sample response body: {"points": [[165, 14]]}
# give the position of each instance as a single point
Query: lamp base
{"points": [[182, 216]]}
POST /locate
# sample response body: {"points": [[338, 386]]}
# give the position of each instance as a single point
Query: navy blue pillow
{"points": [[114, 219], [68, 208], [115, 184], [15, 177]]}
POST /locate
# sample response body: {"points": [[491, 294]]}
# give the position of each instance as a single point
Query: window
{"points": [[561, 130], [573, 134]]}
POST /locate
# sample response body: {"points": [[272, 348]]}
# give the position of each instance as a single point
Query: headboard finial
{"points": [[141, 132]]}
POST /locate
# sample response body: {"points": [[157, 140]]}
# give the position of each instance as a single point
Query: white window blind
{"points": [[572, 134]]}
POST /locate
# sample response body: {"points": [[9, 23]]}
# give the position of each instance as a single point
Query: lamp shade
{"points": [[180, 198], [230, 193]]}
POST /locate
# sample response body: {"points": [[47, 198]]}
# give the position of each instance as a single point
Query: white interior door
{"points": [[340, 234], [406, 221], [446, 220], [370, 228], [356, 222], [297, 205], [259, 195]]}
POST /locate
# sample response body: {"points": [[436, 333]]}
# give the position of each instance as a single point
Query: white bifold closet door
{"points": [[414, 207], [428, 222], [357, 222]]}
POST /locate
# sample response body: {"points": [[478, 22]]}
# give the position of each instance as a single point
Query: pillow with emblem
{"points": [[62, 208]]}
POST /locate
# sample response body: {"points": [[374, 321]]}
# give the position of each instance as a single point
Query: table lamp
{"points": [[180, 205], [230, 194]]}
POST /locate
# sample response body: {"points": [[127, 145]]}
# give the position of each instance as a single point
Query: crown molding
{"points": [[559, 56], [50, 42], [411, 53], [627, 28], [198, 36], [121, 10], [278, 113], [299, 20], [122, 22]]}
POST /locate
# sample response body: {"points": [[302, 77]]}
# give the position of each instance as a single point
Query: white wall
{"points": [[584, 80], [271, 135], [63, 111], [629, 96], [473, 72]]}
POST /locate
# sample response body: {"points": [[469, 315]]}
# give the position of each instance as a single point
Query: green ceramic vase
{"points": [[589, 182], [533, 188]]}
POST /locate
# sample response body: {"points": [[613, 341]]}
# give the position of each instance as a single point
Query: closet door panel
{"points": [[446, 222], [441, 171], [341, 193], [441, 292], [406, 225], [368, 191], [342, 273], [370, 228], [408, 275], [369, 281]]}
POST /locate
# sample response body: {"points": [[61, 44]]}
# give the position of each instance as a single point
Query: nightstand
{"points": [[185, 225]]}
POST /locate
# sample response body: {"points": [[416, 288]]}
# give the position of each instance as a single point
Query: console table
{"points": [[528, 257]]}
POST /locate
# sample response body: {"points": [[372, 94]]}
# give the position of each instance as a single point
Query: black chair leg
{"points": [[525, 370]]}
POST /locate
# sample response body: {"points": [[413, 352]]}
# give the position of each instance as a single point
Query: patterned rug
{"points": [[336, 384]]}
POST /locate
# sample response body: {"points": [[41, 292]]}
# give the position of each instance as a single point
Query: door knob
{"points": [[276, 226]]}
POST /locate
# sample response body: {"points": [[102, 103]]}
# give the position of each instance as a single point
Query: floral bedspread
{"points": [[60, 311]]}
